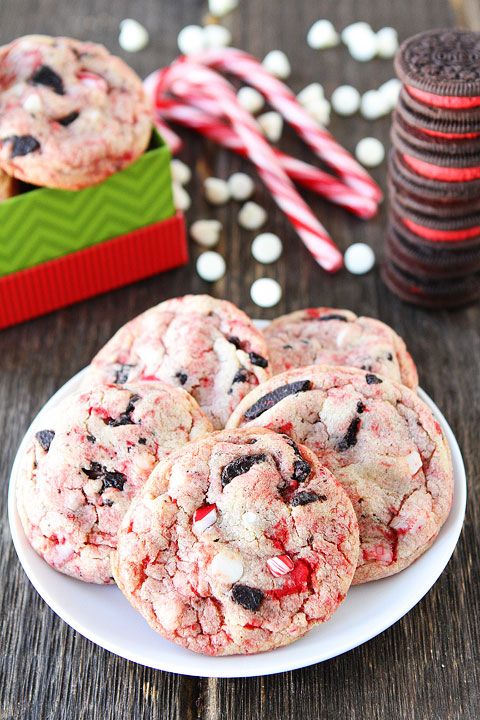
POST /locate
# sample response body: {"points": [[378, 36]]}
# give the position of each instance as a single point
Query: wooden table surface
{"points": [[424, 667]]}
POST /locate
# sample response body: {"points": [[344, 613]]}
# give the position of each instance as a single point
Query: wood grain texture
{"points": [[426, 667]]}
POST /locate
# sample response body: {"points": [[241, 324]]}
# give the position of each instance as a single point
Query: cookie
{"points": [[435, 123], [432, 143], [431, 188], [441, 68], [431, 292], [328, 336], [239, 543], [461, 246], [71, 114], [447, 208], [428, 259], [9, 186], [436, 165], [82, 470], [207, 346], [437, 229], [379, 440]]}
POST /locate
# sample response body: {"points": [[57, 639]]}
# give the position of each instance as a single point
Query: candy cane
{"points": [[307, 175], [310, 230], [282, 98]]}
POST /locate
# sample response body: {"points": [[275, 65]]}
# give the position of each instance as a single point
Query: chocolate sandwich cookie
{"points": [[437, 229], [427, 259], [403, 172], [467, 116], [431, 293], [454, 247], [416, 203], [436, 165], [441, 69], [431, 144], [461, 126]]}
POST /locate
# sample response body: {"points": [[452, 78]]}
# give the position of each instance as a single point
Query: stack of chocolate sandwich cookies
{"points": [[432, 253]]}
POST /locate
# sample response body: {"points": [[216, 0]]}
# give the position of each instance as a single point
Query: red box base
{"points": [[68, 279]]}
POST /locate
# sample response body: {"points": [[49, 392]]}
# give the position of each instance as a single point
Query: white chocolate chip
{"points": [[363, 49], [181, 198], [226, 568], [144, 462], [271, 124], [359, 258], [211, 266], [181, 173], [355, 30], [374, 105], [360, 40], [241, 186], [252, 216], [266, 248], [216, 191], [133, 36], [390, 91], [250, 99], [206, 232], [220, 8], [370, 152], [265, 292], [345, 100], [322, 35], [63, 551], [33, 103], [387, 42], [277, 63], [320, 111], [310, 94], [250, 520], [414, 462], [191, 39], [217, 36]]}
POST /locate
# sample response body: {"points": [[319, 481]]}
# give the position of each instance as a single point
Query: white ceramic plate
{"points": [[103, 615]]}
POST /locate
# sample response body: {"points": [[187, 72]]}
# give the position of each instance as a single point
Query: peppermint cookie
{"points": [[209, 347], [83, 469], [328, 336], [380, 441], [71, 114], [239, 543]]}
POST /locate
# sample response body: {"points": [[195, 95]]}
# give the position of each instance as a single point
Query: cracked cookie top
{"points": [[380, 441], [239, 543], [207, 346], [81, 472], [332, 336]]}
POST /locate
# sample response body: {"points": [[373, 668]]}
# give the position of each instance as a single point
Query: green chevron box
{"points": [[42, 224]]}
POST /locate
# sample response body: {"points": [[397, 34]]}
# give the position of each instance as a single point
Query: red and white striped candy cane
{"points": [[280, 96], [312, 233], [301, 172]]}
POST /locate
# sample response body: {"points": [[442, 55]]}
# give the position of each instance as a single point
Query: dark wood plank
{"points": [[426, 666]]}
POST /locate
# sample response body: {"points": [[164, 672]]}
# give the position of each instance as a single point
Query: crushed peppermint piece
{"points": [[204, 517], [280, 565]]}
